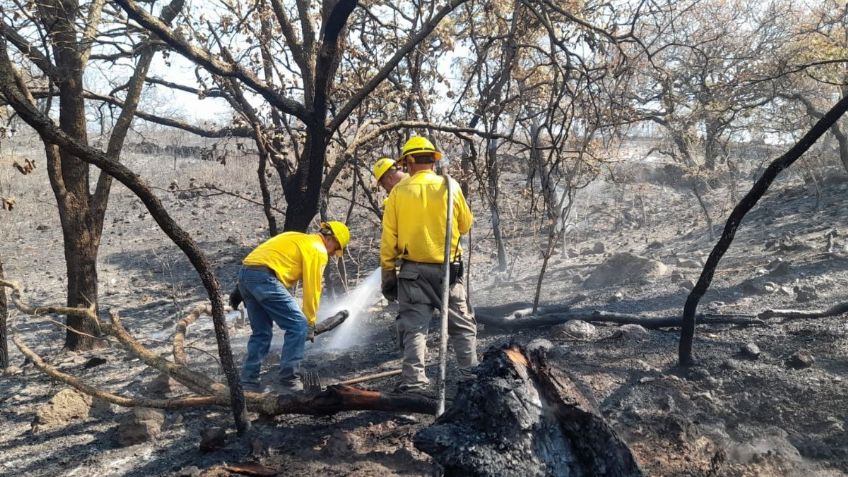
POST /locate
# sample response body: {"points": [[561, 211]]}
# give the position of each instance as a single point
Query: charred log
{"points": [[523, 417], [4, 351], [340, 397], [518, 320], [790, 314]]}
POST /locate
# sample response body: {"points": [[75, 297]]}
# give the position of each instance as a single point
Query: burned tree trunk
{"points": [[687, 332], [81, 246], [69, 176], [4, 336], [523, 417], [302, 189]]}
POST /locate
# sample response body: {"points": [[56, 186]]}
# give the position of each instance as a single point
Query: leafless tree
{"points": [[58, 39], [291, 56]]}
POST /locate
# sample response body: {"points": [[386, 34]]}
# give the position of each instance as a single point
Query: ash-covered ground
{"points": [[742, 411]]}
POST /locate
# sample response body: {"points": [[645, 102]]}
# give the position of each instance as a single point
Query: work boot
{"points": [[413, 388], [292, 385]]}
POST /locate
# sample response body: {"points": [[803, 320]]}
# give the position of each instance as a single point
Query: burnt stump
{"points": [[523, 417]]}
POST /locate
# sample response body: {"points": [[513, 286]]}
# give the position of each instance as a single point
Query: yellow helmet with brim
{"points": [[417, 146], [340, 232]]}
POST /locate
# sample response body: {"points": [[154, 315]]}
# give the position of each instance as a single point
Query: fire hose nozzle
{"points": [[331, 322]]}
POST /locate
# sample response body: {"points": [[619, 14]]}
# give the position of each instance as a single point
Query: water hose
{"points": [[443, 335]]}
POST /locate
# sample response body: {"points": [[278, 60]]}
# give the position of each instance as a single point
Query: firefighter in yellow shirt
{"points": [[266, 276], [414, 223], [388, 174]]}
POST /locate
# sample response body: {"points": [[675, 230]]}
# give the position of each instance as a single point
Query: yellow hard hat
{"points": [[382, 166], [418, 145], [340, 232]]}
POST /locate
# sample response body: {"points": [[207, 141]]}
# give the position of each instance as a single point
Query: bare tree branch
{"points": [[209, 61], [391, 63]]}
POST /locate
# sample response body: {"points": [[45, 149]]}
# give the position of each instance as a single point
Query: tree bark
{"points": [[340, 397], [493, 178], [263, 182], [4, 313], [711, 145], [69, 176], [687, 332], [547, 319], [704, 209], [842, 139], [303, 188], [81, 245]]}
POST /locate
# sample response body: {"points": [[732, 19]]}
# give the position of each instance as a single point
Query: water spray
{"points": [[355, 303]]}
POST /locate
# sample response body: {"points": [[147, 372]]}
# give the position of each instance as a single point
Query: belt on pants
{"points": [[261, 268], [439, 264]]}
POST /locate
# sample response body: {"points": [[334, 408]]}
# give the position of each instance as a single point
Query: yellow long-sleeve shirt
{"points": [[295, 256], [415, 217]]}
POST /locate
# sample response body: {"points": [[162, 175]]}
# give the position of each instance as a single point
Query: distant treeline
{"points": [[214, 152]]}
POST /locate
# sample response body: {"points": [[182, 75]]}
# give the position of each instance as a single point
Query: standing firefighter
{"points": [[414, 225], [387, 173], [266, 276]]}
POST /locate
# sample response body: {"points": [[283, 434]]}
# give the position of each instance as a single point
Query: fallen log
{"points": [[181, 328], [338, 398], [523, 417], [120, 400], [789, 314], [520, 308], [334, 399], [510, 322]]}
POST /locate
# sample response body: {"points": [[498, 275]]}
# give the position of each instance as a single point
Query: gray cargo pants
{"points": [[417, 283]]}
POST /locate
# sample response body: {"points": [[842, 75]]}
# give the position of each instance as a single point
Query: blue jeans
{"points": [[268, 302]]}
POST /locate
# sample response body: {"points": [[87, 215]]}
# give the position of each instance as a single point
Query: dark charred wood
{"points": [[520, 321], [4, 343], [523, 417], [790, 314], [339, 398], [519, 309]]}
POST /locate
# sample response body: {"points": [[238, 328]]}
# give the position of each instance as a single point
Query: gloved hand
{"points": [[235, 298], [389, 285], [310, 333]]}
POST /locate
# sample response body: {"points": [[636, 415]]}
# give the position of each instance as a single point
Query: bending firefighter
{"points": [[388, 174], [266, 276], [414, 240]]}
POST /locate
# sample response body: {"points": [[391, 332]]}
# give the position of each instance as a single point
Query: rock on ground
{"points": [[800, 360], [140, 425], [625, 267], [66, 406], [212, 438], [575, 329], [805, 293], [690, 263], [750, 351], [632, 331]]}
